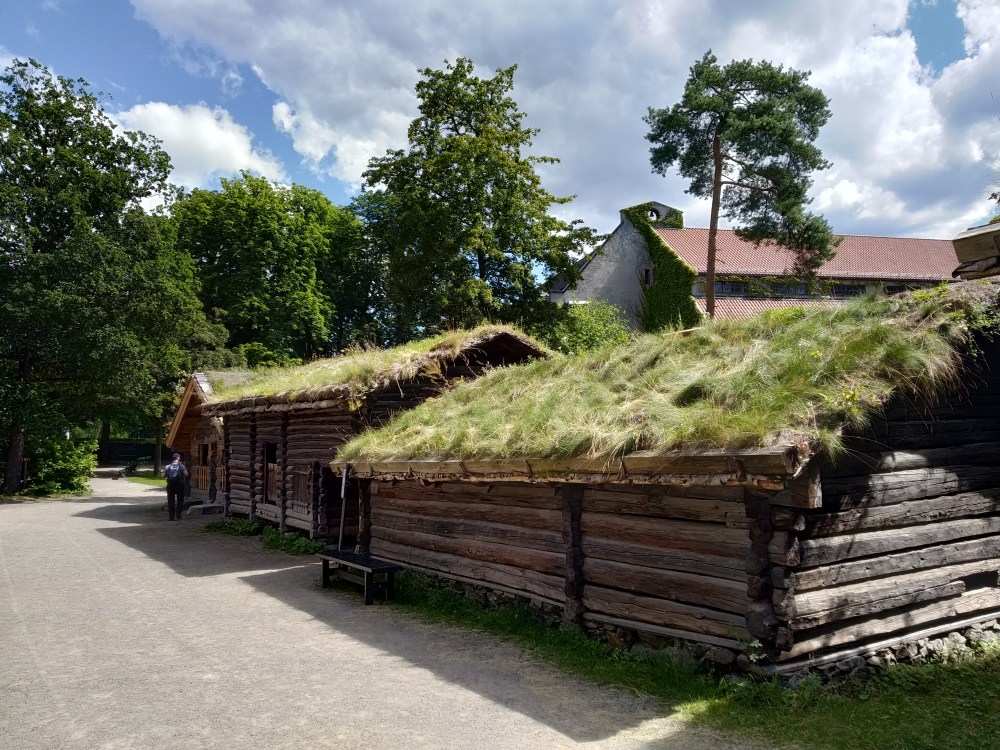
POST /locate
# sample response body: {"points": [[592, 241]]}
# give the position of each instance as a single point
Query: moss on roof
{"points": [[363, 370], [789, 376]]}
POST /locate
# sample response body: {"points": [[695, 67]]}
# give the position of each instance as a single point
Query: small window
{"points": [[841, 291], [653, 215], [647, 276], [270, 453], [203, 454]]}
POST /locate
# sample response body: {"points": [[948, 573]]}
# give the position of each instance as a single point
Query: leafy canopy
{"points": [[471, 233], [743, 135], [94, 302], [276, 266]]}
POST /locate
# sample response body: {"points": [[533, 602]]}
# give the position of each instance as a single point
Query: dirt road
{"points": [[119, 629]]}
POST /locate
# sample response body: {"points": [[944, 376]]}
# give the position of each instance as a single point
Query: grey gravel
{"points": [[119, 629]]}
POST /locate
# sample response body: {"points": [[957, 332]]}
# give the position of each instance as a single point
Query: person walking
{"points": [[176, 473]]}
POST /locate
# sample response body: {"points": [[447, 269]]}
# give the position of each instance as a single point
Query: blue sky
{"points": [[308, 91]]}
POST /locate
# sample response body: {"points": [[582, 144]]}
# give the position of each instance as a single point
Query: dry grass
{"points": [[362, 370], [794, 375]]}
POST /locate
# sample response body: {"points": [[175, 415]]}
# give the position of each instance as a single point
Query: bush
{"points": [[583, 327], [291, 542], [59, 466], [235, 527]]}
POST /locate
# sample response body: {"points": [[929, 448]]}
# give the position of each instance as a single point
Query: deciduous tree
{"points": [[743, 134], [472, 237]]}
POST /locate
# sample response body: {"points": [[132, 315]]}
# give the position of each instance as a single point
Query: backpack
{"points": [[174, 472]]}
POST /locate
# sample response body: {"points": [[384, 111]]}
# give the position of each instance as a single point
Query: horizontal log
{"points": [[860, 463], [912, 484], [731, 568], [815, 552], [647, 609], [475, 530], [889, 623], [532, 496], [705, 538], [717, 593], [656, 505], [518, 579], [928, 557], [866, 597], [909, 513], [534, 518], [553, 563]]}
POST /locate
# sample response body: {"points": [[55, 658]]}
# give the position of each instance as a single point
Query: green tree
{"points": [[73, 297], [275, 265], [472, 234], [743, 135], [579, 328]]}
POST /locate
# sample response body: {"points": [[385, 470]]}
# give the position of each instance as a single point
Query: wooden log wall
{"points": [[670, 557], [239, 461], [506, 536], [659, 558], [907, 538]]}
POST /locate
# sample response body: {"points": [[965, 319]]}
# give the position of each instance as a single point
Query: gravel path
{"points": [[119, 629]]}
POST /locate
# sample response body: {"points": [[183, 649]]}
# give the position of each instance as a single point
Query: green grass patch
{"points": [[146, 476], [363, 369], [235, 527], [291, 542], [794, 375], [927, 707]]}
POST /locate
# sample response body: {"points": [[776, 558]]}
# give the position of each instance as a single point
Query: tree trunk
{"points": [[104, 443], [158, 450], [713, 226], [15, 460]]}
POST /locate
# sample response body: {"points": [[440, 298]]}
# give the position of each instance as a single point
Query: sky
{"points": [[307, 91]]}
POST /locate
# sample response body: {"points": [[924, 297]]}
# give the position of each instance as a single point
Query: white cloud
{"points": [[911, 152], [204, 143]]}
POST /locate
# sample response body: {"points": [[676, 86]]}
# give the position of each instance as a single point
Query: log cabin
{"points": [[804, 487], [198, 437], [281, 429]]}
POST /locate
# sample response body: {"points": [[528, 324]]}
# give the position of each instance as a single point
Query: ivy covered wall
{"points": [[667, 302]]}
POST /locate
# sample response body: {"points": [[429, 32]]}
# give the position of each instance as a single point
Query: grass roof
{"points": [[789, 376], [364, 370]]}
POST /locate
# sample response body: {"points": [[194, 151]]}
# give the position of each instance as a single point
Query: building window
{"points": [[647, 276], [841, 291], [894, 288], [731, 288], [788, 290], [203, 451]]}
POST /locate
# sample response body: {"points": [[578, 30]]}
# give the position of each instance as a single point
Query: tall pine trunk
{"points": [[158, 450], [713, 227]]}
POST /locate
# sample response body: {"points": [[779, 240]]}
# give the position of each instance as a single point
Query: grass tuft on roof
{"points": [[789, 376], [362, 370]]}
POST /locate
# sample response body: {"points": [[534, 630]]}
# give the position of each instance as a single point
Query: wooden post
{"points": [[225, 462], [282, 487], [317, 498], [364, 517], [212, 464], [253, 466], [572, 508]]}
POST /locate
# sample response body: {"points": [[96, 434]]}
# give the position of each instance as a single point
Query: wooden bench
{"points": [[377, 576]]}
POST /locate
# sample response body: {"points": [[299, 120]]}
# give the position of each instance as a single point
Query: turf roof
{"points": [[364, 370], [789, 376]]}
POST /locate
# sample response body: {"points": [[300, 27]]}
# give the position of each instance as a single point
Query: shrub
{"points": [[584, 327], [291, 542], [60, 465]]}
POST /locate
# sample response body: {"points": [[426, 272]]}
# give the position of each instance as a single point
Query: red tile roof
{"points": [[729, 308], [858, 257]]}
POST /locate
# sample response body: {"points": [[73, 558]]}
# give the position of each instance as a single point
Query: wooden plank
{"points": [[647, 609], [907, 619], [814, 552], [909, 513], [572, 498], [717, 593], [553, 563], [654, 503], [985, 548], [858, 463], [705, 538], [911, 484], [731, 568], [518, 579], [865, 597], [459, 528], [534, 518], [532, 496]]}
